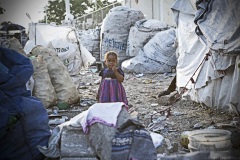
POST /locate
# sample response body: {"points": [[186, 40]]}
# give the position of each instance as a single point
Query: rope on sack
{"points": [[164, 64], [183, 44]]}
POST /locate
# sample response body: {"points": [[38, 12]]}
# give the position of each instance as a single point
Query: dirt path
{"points": [[142, 91]]}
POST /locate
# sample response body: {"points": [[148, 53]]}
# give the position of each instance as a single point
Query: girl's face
{"points": [[111, 61]]}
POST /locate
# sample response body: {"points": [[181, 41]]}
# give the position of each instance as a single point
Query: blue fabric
{"points": [[128, 137], [20, 70], [24, 119]]}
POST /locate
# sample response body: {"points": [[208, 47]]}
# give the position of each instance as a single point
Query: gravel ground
{"points": [[142, 91]]}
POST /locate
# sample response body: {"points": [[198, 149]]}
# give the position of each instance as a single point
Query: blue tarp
{"points": [[24, 119]]}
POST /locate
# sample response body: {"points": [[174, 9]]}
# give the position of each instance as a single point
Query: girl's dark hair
{"points": [[111, 53]]}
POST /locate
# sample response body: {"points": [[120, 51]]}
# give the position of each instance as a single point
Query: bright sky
{"points": [[16, 11]]}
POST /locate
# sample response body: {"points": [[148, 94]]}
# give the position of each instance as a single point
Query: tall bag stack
{"points": [[115, 30], [62, 82]]}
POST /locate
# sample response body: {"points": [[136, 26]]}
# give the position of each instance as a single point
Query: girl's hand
{"points": [[120, 78], [114, 68]]}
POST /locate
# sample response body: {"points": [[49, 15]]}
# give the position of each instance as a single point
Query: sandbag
{"points": [[115, 29], [43, 88], [62, 82]]}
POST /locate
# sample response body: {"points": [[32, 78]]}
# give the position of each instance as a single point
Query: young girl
{"points": [[111, 88]]}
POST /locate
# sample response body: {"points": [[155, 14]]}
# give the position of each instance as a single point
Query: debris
{"points": [[166, 112], [197, 126], [87, 102], [154, 105], [139, 75], [211, 127], [221, 125], [58, 121], [63, 105], [83, 87], [88, 84], [234, 123], [55, 110], [178, 113], [93, 69], [97, 81], [147, 81], [236, 119], [168, 99], [134, 114], [76, 110], [157, 139], [82, 73], [184, 141], [166, 147], [159, 119]]}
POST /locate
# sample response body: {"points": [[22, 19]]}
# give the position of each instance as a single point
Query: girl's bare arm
{"points": [[119, 77]]}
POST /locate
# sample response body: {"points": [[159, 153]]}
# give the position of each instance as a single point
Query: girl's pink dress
{"points": [[110, 90]]}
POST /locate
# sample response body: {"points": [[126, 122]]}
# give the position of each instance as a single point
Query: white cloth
{"points": [[105, 113]]}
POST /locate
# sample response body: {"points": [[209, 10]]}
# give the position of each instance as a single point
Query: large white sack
{"points": [[142, 64], [115, 29], [90, 39], [86, 56], [158, 55], [141, 33], [162, 48], [63, 39]]}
